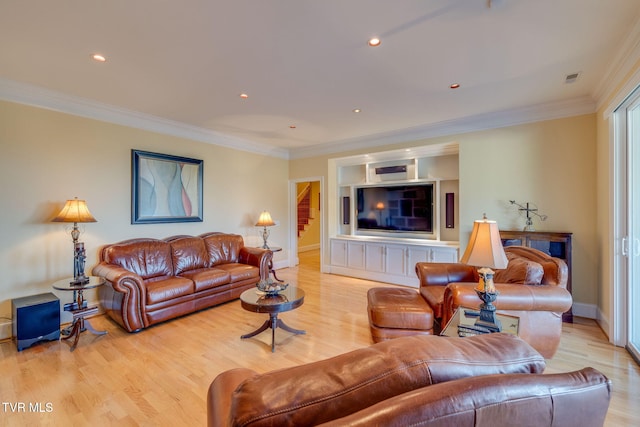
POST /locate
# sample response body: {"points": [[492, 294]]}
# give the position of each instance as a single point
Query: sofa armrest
{"points": [[132, 295], [441, 274], [219, 396], [257, 257], [511, 297]]}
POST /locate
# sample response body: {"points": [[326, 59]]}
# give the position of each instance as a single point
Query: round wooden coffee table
{"points": [[258, 302]]}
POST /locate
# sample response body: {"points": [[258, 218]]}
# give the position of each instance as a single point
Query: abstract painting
{"points": [[165, 188]]}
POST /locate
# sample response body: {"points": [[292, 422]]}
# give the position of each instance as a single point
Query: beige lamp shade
{"points": [[75, 211], [265, 220], [485, 247]]}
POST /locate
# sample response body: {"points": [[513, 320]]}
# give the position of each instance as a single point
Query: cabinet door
{"points": [[417, 254], [339, 253], [356, 255], [375, 255], [396, 259], [444, 255]]}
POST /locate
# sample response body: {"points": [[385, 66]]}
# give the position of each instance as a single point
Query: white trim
{"points": [[56, 101], [622, 94], [623, 62], [283, 263], [589, 311], [616, 324], [493, 120], [43, 98], [604, 323], [293, 213]]}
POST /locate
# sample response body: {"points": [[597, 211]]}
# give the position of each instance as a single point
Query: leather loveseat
{"points": [[153, 280], [532, 287], [486, 380]]}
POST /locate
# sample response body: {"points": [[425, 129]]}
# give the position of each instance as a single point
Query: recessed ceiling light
{"points": [[244, 96], [99, 58], [454, 85], [356, 110], [292, 126], [374, 41]]}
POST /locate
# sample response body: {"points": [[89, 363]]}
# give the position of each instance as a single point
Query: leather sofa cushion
{"points": [[320, 391], [239, 272], [147, 258], [207, 278], [520, 270], [223, 248], [188, 253], [167, 288]]}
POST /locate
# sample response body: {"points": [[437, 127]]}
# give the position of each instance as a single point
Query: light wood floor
{"points": [[160, 376]]}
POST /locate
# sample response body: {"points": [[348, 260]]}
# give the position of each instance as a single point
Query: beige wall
{"points": [[48, 157], [550, 163]]}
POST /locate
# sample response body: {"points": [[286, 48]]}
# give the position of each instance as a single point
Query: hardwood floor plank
{"points": [[160, 376]]}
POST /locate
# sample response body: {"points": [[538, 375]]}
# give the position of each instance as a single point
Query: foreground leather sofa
{"points": [[533, 287], [486, 380], [153, 280]]}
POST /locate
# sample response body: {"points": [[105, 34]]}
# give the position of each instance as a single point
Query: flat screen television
{"points": [[406, 208]]}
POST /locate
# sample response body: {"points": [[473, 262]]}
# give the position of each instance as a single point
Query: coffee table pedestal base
{"points": [[273, 323]]}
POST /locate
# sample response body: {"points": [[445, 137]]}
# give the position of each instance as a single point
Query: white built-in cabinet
{"points": [[389, 262], [386, 258]]}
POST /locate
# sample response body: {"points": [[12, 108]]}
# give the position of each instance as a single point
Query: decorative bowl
{"points": [[270, 287]]}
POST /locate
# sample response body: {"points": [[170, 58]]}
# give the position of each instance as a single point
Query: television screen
{"points": [[396, 208]]}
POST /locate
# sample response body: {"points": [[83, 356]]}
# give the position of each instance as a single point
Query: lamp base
{"points": [[265, 236], [487, 318]]}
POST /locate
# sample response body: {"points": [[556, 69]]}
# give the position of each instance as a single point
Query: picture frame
{"points": [[165, 188]]}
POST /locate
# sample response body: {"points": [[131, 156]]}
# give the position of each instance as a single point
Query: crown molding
{"points": [[493, 120], [56, 101], [43, 98], [622, 64]]}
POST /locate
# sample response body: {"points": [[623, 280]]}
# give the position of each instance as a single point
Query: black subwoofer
{"points": [[35, 318]]}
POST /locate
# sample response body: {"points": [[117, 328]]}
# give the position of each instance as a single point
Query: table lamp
{"points": [[485, 251], [265, 221], [76, 211]]}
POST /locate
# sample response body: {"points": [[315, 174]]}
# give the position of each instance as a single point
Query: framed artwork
{"points": [[165, 188]]}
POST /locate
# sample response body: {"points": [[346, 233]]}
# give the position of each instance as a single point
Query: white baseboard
{"points": [[589, 311], [280, 264], [6, 330], [309, 248]]}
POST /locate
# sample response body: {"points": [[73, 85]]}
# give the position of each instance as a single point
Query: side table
{"points": [[78, 308], [258, 302], [465, 316]]}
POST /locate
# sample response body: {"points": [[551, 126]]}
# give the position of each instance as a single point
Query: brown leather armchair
{"points": [[532, 287]]}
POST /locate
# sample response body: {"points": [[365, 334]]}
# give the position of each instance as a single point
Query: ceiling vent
{"points": [[571, 78]]}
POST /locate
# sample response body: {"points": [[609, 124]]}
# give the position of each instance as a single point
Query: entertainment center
{"points": [[392, 209]]}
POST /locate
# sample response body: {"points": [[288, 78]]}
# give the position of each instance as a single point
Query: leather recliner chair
{"points": [[532, 287]]}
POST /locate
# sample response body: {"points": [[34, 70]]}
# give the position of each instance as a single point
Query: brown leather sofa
{"points": [[152, 280], [486, 380], [532, 287]]}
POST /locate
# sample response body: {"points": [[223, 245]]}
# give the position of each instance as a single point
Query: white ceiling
{"points": [[306, 63]]}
